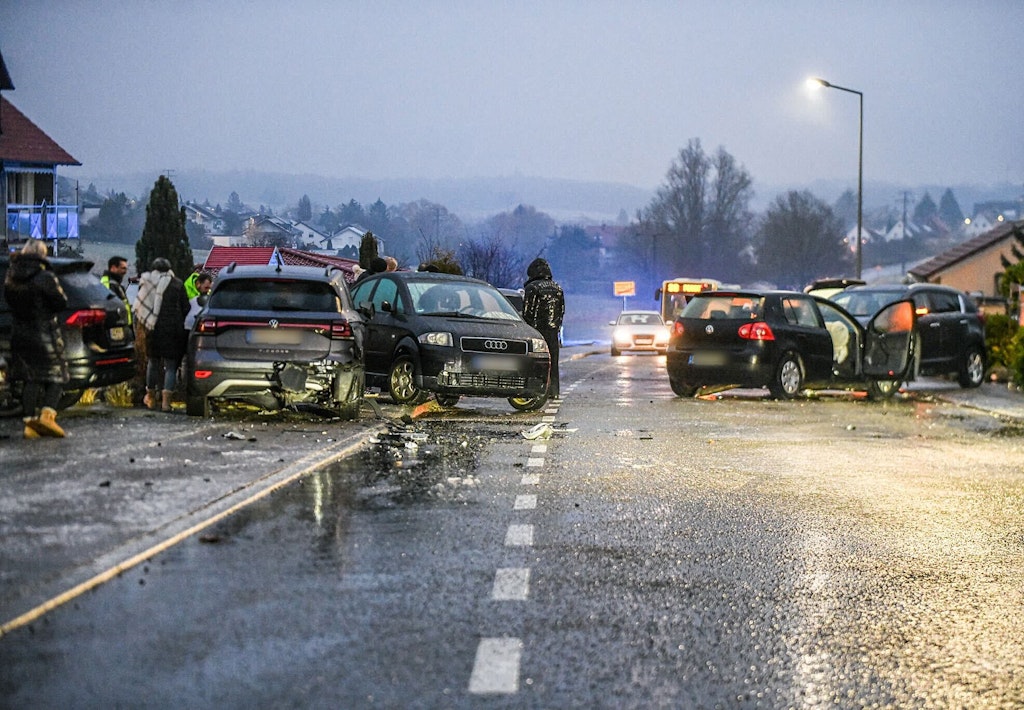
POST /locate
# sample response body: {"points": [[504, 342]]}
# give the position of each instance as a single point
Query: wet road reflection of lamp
{"points": [[860, 166]]}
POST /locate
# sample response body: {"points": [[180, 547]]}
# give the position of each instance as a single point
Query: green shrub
{"points": [[1015, 357], [999, 335]]}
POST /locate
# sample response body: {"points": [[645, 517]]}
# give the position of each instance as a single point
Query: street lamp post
{"points": [[860, 169]]}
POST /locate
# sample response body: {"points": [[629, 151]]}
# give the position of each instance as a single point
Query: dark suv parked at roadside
{"points": [[950, 331], [275, 337], [99, 344]]}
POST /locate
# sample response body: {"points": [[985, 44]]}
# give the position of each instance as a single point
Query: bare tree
{"points": [[490, 260], [698, 221]]}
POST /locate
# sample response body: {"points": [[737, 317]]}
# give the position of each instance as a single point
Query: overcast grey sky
{"points": [[588, 90]]}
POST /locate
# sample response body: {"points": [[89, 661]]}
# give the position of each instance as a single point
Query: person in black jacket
{"points": [[36, 298], [161, 307], [544, 309]]}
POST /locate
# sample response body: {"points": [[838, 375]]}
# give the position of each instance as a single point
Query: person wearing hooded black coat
{"points": [[544, 309], [35, 298]]}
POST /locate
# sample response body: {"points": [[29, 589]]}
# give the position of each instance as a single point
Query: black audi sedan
{"points": [[788, 342], [451, 336]]}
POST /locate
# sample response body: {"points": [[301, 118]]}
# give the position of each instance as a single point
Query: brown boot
{"points": [[165, 404], [150, 400], [31, 425], [48, 425]]}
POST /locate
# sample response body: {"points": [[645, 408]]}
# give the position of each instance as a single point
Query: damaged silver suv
{"points": [[277, 337]]}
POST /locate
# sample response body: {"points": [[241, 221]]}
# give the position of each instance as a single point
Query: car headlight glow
{"points": [[538, 345], [621, 335], [436, 338]]}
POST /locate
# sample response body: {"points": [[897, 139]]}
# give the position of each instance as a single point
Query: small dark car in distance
{"points": [[950, 330], [788, 342], [451, 336], [99, 344], [277, 337]]}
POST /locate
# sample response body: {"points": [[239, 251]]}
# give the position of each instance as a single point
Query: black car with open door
{"points": [[788, 342]]}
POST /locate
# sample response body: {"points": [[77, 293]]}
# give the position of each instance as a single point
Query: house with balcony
{"points": [[28, 178]]}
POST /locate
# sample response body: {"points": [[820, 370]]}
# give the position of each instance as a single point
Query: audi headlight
{"points": [[622, 335], [538, 345], [438, 338]]}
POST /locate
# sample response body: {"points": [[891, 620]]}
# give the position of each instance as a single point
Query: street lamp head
{"points": [[816, 82]]}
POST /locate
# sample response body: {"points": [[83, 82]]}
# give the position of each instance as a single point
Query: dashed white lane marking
{"points": [[527, 501], [548, 419], [511, 584], [539, 449], [496, 668], [519, 536], [530, 479], [534, 462]]}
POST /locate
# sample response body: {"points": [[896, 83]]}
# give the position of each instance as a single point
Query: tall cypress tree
{"points": [[367, 250], [164, 234]]}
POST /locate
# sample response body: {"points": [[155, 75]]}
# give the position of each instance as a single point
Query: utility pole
{"points": [[903, 237]]}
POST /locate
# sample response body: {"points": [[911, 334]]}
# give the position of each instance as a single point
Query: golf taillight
{"points": [[87, 317], [756, 331], [677, 328]]}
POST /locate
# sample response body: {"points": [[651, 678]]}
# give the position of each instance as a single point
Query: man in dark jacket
{"points": [[36, 298], [113, 277], [544, 308]]}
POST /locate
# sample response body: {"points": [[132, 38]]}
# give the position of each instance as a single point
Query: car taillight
{"points": [[87, 317], [756, 331], [202, 374], [677, 328], [341, 329], [206, 325]]}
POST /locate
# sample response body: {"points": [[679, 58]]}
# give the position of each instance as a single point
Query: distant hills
{"points": [[568, 201]]}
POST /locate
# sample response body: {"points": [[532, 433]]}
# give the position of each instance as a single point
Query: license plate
{"points": [[274, 336], [707, 359], [644, 341], [116, 334], [482, 363]]}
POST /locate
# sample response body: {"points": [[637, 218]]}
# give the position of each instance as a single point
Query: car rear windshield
{"points": [[725, 306], [275, 295], [866, 303], [84, 289]]}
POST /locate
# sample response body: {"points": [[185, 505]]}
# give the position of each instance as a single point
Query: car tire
{"points": [[972, 369], [789, 377], [197, 406], [879, 390], [402, 382], [528, 404], [681, 389], [69, 398], [447, 400]]}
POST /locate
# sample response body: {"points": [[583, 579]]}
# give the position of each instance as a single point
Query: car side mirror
{"points": [[386, 307], [611, 322], [366, 308]]}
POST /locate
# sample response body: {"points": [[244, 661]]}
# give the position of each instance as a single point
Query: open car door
{"points": [[888, 353]]}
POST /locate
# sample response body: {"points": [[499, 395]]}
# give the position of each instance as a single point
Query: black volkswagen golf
{"points": [[451, 336], [788, 342]]}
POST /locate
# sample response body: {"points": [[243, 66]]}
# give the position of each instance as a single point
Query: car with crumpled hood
{"points": [[450, 336]]}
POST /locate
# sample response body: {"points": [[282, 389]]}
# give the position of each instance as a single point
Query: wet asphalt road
{"points": [[654, 552]]}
